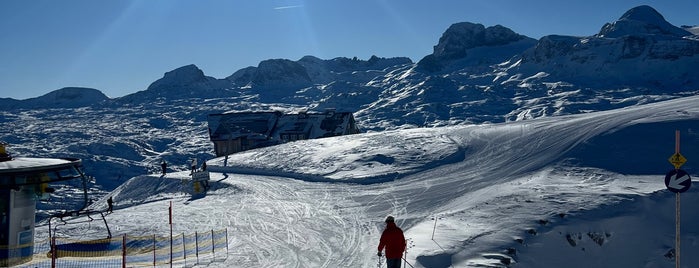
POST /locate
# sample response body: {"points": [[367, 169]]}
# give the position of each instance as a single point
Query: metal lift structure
{"points": [[23, 181]]}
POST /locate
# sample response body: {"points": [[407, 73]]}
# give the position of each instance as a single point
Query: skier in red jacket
{"points": [[393, 240]]}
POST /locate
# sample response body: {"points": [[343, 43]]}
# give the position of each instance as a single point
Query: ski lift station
{"points": [[23, 181]]}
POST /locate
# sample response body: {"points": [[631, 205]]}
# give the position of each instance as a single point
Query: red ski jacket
{"points": [[392, 238]]}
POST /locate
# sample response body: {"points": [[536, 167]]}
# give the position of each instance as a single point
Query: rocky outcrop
{"points": [[639, 49], [470, 44], [184, 82], [641, 20], [461, 37]]}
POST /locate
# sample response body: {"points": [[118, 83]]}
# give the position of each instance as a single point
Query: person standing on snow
{"points": [[110, 204], [164, 167], [194, 165], [393, 240]]}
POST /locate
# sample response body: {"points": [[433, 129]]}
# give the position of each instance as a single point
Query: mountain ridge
{"points": [[124, 138], [476, 74], [67, 97], [641, 20]]}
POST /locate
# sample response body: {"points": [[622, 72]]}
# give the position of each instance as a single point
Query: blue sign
{"points": [[25, 244], [678, 181]]}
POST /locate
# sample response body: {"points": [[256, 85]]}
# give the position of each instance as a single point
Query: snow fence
{"points": [[182, 250]]}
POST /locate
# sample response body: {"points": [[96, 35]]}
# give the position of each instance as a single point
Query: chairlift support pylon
{"points": [[22, 179]]}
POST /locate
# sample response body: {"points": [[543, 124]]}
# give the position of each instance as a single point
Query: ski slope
{"points": [[489, 195]]}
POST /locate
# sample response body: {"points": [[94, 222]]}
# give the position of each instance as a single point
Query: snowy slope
{"points": [[492, 186], [525, 193]]}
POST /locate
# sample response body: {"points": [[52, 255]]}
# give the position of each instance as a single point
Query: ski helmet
{"points": [[390, 219]]}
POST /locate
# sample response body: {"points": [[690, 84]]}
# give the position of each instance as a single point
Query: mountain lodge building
{"points": [[240, 131]]}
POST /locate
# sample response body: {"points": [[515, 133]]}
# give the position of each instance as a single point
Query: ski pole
{"points": [[406, 262]]}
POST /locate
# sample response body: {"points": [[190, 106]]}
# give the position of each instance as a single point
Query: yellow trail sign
{"points": [[677, 160]]}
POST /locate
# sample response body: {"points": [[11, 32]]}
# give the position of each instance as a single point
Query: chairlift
{"points": [[23, 181], [40, 173], [76, 217]]}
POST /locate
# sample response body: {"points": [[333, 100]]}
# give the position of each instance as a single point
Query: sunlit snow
{"points": [[527, 194]]}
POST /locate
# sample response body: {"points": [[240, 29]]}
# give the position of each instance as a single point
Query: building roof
{"points": [[272, 125], [24, 164], [235, 125], [57, 169]]}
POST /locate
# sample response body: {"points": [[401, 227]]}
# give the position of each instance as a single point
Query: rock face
{"points": [[639, 21], [280, 73], [475, 74], [188, 75], [277, 79], [639, 49], [308, 70], [469, 44], [184, 82], [460, 37]]}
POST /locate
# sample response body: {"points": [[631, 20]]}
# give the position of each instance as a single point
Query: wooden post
{"points": [[53, 252], [154, 257], [213, 244], [677, 209], [123, 251], [170, 216], [677, 230], [184, 249]]}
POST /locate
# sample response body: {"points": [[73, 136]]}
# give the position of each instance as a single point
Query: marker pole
{"points": [[677, 209]]}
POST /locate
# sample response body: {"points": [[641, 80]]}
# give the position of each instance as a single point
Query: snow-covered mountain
{"points": [[185, 82], [490, 121], [641, 20], [491, 74], [644, 60], [640, 49], [692, 29], [573, 191], [476, 74], [67, 97], [473, 45]]}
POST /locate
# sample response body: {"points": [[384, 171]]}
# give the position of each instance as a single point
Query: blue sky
{"points": [[120, 47]]}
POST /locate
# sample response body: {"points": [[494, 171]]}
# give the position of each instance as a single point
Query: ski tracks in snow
{"points": [[278, 222]]}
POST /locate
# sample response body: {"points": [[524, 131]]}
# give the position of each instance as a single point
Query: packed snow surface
{"points": [[523, 194]]}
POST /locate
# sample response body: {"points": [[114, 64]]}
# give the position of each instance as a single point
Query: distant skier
{"points": [[110, 204], [194, 165], [164, 167], [203, 166], [393, 240]]}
